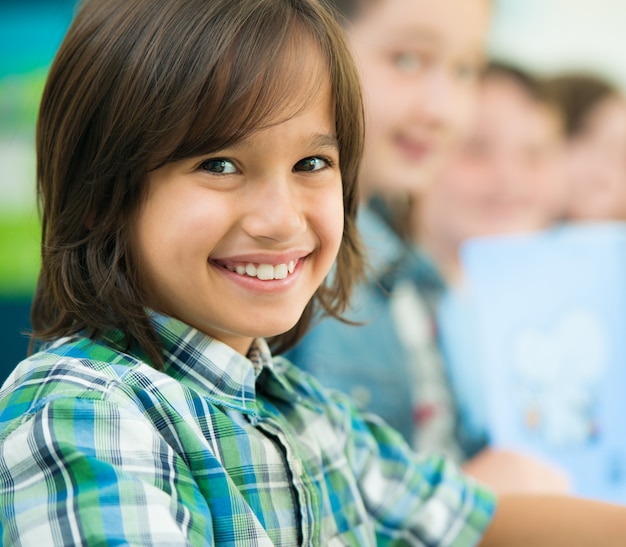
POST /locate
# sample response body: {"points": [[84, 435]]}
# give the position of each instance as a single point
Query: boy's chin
{"points": [[276, 331]]}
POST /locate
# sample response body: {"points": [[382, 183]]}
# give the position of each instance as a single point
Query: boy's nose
{"points": [[276, 211], [509, 173]]}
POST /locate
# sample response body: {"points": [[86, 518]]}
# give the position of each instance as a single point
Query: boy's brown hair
{"points": [[579, 94], [534, 87], [137, 84]]}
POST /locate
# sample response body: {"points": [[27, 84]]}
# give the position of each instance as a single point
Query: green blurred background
{"points": [[30, 33]]}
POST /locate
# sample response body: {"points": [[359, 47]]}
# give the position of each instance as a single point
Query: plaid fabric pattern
{"points": [[99, 448]]}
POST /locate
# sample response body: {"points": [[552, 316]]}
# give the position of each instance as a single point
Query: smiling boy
{"points": [[185, 162]]}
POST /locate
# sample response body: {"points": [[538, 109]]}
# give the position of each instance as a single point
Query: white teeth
{"points": [[280, 271], [265, 272]]}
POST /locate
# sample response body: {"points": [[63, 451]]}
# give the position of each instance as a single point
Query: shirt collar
{"points": [[228, 378]]}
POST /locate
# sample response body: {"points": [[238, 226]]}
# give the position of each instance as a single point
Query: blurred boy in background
{"points": [[595, 123], [507, 177]]}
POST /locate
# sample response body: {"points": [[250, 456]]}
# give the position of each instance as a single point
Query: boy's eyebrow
{"points": [[324, 140], [314, 140]]}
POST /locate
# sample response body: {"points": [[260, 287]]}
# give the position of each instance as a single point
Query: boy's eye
{"points": [[408, 62], [311, 164], [219, 166]]}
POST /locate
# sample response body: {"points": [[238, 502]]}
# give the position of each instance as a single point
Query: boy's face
{"points": [[236, 242], [507, 177], [418, 61], [596, 164]]}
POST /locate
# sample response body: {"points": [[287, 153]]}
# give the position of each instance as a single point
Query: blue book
{"points": [[550, 327]]}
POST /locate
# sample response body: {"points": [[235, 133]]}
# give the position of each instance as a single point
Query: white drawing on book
{"points": [[557, 372]]}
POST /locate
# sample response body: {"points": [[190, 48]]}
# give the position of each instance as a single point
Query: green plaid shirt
{"points": [[99, 448]]}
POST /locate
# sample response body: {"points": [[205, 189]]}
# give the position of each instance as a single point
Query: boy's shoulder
{"points": [[68, 360], [73, 367]]}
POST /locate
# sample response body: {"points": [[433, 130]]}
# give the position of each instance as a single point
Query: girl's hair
{"points": [[349, 10], [137, 84], [578, 94]]}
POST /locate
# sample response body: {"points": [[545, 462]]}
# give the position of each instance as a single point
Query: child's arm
{"points": [[554, 521], [511, 472]]}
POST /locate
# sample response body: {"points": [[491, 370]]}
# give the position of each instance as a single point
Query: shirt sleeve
{"points": [[415, 499], [87, 472]]}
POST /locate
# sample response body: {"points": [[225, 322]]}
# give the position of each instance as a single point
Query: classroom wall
{"points": [[554, 35]]}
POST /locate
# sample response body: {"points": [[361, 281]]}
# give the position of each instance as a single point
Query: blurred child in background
{"points": [[420, 63], [419, 68], [506, 177], [595, 122]]}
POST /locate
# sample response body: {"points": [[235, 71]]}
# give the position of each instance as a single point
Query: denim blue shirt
{"points": [[459, 347]]}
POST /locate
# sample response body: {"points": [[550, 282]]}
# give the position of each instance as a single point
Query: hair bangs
{"points": [[252, 88]]}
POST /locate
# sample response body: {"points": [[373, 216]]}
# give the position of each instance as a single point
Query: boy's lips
{"points": [[264, 272]]}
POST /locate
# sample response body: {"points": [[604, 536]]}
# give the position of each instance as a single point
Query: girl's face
{"points": [[597, 164], [236, 242], [418, 61], [507, 177]]}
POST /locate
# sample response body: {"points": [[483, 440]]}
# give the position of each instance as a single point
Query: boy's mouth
{"points": [[265, 272]]}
